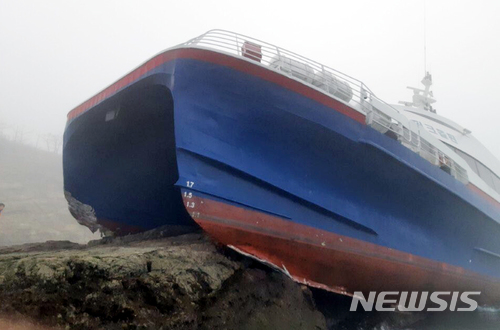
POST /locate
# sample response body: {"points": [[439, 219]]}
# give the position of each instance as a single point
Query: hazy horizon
{"points": [[56, 56], [33, 194]]}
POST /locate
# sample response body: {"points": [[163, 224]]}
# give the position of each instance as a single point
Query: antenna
{"points": [[425, 42]]}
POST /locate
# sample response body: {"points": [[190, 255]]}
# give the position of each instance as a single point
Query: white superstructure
{"points": [[480, 160], [414, 124]]}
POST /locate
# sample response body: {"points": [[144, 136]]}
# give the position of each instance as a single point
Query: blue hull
{"points": [[237, 138]]}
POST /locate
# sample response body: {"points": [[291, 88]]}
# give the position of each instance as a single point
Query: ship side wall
{"points": [[256, 144], [257, 140]]}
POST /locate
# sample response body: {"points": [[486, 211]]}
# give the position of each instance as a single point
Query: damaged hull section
{"points": [[330, 261], [277, 171]]}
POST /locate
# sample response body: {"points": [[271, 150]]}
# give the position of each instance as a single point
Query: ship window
{"points": [[490, 178], [485, 174], [496, 180], [471, 161]]}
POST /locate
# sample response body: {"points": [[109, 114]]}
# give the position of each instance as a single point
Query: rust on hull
{"points": [[329, 261]]}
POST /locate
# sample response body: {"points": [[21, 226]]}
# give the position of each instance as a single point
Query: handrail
{"points": [[344, 88], [232, 43]]}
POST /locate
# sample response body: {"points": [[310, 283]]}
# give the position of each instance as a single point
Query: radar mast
{"points": [[422, 98]]}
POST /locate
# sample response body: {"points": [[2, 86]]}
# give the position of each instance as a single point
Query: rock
{"points": [[39, 247], [261, 300], [155, 282]]}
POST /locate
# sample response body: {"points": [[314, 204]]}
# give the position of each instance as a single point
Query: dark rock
{"points": [[40, 247], [181, 282]]}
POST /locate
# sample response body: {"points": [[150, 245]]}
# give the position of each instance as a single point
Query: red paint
{"points": [[220, 59], [483, 195], [330, 261], [251, 51]]}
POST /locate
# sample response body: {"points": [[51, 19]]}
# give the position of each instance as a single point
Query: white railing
{"points": [[317, 75], [380, 115], [412, 139]]}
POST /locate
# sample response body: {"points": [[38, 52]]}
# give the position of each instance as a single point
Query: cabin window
{"points": [[485, 174], [471, 161], [490, 178], [496, 181]]}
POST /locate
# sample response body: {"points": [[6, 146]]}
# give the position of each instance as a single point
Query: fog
{"points": [[54, 55], [32, 190]]}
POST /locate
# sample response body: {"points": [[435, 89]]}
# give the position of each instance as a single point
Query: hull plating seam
{"points": [[278, 190], [327, 260]]}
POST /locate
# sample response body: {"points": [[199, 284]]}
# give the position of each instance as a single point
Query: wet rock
{"points": [[39, 247], [181, 282]]}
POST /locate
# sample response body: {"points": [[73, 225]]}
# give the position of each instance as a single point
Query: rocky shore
{"points": [[149, 281]]}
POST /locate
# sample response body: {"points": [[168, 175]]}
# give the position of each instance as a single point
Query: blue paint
{"points": [[255, 144]]}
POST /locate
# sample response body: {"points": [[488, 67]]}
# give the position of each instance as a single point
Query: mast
{"points": [[422, 98]]}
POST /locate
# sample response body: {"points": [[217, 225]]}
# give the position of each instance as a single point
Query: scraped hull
{"points": [[280, 172], [329, 261]]}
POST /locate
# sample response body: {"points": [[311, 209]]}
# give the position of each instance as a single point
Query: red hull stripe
{"points": [[239, 64], [330, 261], [484, 195]]}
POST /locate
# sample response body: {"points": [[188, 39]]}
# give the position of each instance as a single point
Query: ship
{"points": [[292, 163]]}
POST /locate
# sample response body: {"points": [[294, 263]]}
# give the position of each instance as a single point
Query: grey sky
{"points": [[56, 54]]}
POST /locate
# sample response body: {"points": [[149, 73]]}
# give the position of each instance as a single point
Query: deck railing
{"points": [[412, 136], [342, 87], [326, 79]]}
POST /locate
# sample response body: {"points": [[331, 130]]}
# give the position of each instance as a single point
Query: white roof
{"points": [[454, 135]]}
